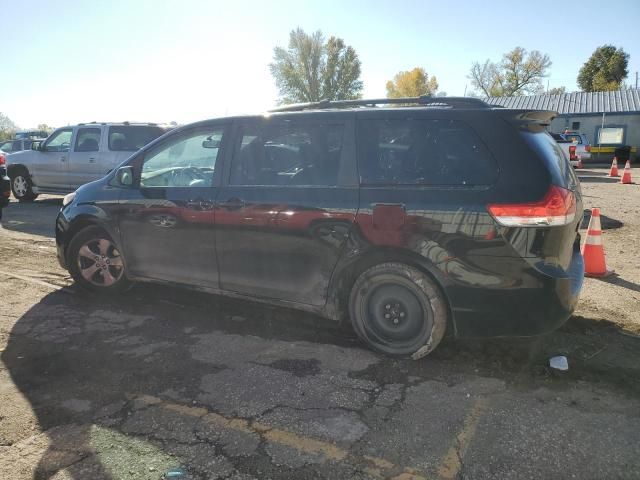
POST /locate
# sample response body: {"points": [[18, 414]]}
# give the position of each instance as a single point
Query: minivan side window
{"points": [[59, 141], [422, 152], [87, 140], [187, 160], [284, 153]]}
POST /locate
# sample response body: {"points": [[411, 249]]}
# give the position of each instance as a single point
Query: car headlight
{"points": [[68, 199]]}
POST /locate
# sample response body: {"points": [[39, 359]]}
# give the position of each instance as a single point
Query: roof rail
{"points": [[425, 100]]}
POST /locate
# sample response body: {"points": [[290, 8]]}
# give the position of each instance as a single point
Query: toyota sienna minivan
{"points": [[427, 218]]}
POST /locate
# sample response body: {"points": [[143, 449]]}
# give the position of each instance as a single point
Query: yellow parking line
{"points": [[379, 468], [451, 462]]}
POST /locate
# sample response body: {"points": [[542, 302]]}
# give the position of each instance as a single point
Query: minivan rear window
{"points": [[130, 138], [422, 152], [551, 153]]}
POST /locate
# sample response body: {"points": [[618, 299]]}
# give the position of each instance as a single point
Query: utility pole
{"points": [[636, 79]]}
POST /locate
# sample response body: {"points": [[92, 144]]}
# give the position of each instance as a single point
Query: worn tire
{"points": [[398, 310], [22, 186], [80, 265]]}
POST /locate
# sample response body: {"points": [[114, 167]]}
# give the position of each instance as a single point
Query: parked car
{"points": [[446, 217], [568, 148], [16, 145], [583, 147], [5, 184], [32, 134], [73, 156]]}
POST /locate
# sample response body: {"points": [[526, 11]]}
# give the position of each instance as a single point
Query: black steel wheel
{"points": [[398, 310]]}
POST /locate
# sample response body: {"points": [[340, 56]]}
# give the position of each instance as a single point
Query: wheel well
{"points": [[11, 168], [78, 225], [343, 283]]}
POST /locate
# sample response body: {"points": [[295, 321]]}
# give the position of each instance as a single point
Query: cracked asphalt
{"points": [[167, 383]]}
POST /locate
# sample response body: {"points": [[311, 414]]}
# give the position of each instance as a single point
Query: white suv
{"points": [[73, 156]]}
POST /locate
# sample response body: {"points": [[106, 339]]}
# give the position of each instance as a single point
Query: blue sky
{"points": [[69, 61]]}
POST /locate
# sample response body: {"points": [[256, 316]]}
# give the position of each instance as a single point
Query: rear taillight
{"points": [[587, 148], [2, 159], [558, 207], [572, 152]]}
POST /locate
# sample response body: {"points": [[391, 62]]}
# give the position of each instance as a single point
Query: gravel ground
{"points": [[165, 383]]}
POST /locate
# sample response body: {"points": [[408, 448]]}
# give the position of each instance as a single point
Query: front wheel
{"points": [[22, 186], [398, 310], [95, 263]]}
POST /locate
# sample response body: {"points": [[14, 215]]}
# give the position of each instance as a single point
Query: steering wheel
{"points": [[182, 177]]}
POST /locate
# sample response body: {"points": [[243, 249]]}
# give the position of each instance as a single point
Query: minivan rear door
{"points": [[285, 213]]}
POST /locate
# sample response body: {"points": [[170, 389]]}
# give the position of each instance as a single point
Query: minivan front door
{"points": [[287, 209], [167, 221]]}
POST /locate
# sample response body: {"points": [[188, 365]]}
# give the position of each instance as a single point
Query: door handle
{"points": [[233, 204], [201, 204], [63, 159], [92, 160]]}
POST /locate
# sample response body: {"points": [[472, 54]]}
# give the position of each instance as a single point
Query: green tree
{"points": [[557, 91], [605, 70], [7, 127], [412, 83], [45, 128], [312, 69], [519, 73]]}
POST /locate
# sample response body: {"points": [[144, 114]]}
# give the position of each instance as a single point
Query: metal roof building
{"points": [[609, 119], [621, 101]]}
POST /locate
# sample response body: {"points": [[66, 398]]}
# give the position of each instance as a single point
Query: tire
{"points": [[398, 310], [22, 186], [95, 263]]}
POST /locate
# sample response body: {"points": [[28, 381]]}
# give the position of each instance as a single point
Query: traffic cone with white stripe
{"points": [[592, 249], [626, 175], [614, 168]]}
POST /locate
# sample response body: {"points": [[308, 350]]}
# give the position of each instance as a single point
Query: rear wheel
{"points": [[398, 310], [22, 186], [95, 263]]}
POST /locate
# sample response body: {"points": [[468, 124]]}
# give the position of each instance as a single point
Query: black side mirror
{"points": [[124, 176], [37, 146]]}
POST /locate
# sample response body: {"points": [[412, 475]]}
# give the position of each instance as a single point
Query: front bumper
{"points": [[62, 228], [5, 188]]}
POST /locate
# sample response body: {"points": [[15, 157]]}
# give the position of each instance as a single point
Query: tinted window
{"points": [[185, 160], [87, 140], [553, 156], [130, 138], [422, 152], [288, 154], [59, 141]]}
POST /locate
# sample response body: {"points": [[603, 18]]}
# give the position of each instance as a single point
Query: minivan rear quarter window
{"points": [[131, 138], [423, 152]]}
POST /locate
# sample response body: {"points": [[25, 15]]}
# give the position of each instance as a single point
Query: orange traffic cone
{"points": [[626, 175], [614, 168], [592, 249]]}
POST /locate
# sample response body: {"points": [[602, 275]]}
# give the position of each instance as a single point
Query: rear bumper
{"points": [[540, 299]]}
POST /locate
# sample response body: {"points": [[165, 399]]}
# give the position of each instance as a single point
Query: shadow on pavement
{"points": [[92, 370], [621, 282], [35, 218]]}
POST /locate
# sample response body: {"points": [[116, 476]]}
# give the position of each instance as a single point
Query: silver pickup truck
{"points": [[73, 156]]}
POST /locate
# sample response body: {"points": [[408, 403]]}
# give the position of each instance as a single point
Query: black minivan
{"points": [[430, 217]]}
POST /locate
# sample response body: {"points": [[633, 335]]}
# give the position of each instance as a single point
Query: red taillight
{"points": [[558, 207], [587, 148], [2, 159], [572, 152]]}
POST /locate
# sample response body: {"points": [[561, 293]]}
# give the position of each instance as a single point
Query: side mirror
{"points": [[124, 176], [37, 146]]}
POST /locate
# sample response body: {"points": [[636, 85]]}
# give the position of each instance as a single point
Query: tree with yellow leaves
{"points": [[412, 83]]}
